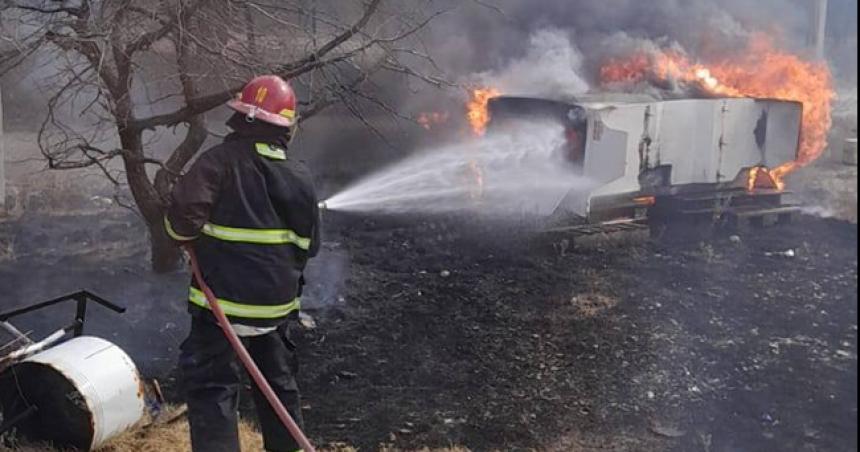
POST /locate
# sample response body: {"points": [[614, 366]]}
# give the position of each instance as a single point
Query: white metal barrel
{"points": [[87, 391]]}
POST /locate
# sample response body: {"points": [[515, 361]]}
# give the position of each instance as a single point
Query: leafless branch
{"points": [[119, 76], [61, 9], [147, 39], [289, 70]]}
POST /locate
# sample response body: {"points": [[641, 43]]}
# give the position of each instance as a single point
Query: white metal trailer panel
{"points": [[697, 141]]}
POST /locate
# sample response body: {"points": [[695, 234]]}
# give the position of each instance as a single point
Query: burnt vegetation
{"points": [[439, 331], [691, 342]]}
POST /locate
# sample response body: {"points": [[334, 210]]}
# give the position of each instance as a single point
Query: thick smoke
{"points": [[552, 64], [480, 40]]}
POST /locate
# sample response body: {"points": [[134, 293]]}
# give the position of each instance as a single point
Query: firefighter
{"points": [[250, 209]]}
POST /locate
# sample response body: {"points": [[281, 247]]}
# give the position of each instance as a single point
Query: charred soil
{"points": [[452, 331]]}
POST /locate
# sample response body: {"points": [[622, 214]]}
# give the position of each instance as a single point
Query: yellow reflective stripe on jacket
{"points": [[248, 311], [173, 234], [258, 236], [270, 151]]}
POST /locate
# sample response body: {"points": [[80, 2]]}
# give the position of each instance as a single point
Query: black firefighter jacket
{"points": [[251, 209]]}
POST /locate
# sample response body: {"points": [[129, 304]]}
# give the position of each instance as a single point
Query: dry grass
{"points": [[174, 437], [159, 438], [169, 434]]}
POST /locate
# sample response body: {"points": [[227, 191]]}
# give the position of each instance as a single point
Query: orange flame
{"points": [[478, 116], [761, 177], [762, 71], [476, 109], [430, 119]]}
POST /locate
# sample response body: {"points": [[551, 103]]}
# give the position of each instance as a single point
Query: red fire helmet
{"points": [[268, 98]]}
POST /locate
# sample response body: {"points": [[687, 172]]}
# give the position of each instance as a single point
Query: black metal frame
{"points": [[81, 297]]}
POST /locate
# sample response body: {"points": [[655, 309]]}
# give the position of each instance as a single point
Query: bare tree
{"points": [[129, 68]]}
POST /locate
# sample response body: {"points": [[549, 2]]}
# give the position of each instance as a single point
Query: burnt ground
{"points": [[449, 331], [682, 344]]}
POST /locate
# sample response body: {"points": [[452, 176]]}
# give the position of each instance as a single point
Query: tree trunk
{"points": [[165, 255]]}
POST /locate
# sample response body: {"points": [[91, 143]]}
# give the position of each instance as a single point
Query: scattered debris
{"points": [[102, 201], [306, 321], [707, 441], [843, 353], [347, 375], [768, 419], [787, 253], [669, 431]]}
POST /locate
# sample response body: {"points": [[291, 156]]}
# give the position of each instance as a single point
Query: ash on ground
{"points": [[442, 330]]}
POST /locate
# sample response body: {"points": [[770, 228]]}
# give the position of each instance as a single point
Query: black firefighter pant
{"points": [[211, 376]]}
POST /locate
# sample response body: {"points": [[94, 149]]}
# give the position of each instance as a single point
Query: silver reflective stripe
{"points": [[258, 236], [251, 331], [270, 151], [248, 311], [173, 234]]}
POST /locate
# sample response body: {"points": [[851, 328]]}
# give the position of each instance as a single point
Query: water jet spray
{"points": [[505, 173]]}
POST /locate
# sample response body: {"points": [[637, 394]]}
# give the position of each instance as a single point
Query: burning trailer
{"points": [[652, 161]]}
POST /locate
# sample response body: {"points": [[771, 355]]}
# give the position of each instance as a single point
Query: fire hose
{"points": [[246, 359]]}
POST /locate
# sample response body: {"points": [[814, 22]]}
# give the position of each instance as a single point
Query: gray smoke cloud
{"points": [[551, 64], [480, 40], [555, 48]]}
